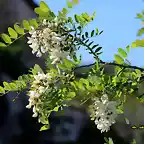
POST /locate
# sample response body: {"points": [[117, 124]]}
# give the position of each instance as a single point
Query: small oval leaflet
{"points": [[26, 25], [92, 33], [98, 49], [18, 29], [12, 33], [2, 44], [6, 38], [118, 59], [122, 52]]}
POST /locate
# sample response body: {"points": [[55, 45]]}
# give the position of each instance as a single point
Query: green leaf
{"points": [[18, 29], [6, 86], [92, 33], [76, 18], [140, 32], [139, 16], [2, 91], [13, 86], [118, 59], [110, 141], [26, 25], [6, 38], [71, 94], [90, 43], [122, 52], [97, 31], [128, 48], [106, 139], [138, 43], [64, 11], [86, 34], [75, 1], [44, 7], [95, 46], [45, 127], [87, 41], [138, 73], [33, 23], [69, 4], [127, 121], [12, 33], [68, 63], [62, 67], [36, 69], [98, 49], [2, 44], [56, 108], [70, 19], [134, 141], [100, 32]]}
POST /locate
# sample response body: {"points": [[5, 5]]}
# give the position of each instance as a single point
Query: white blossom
{"points": [[57, 55], [38, 87], [45, 40], [104, 112]]}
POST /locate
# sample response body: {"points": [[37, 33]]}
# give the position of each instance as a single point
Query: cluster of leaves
{"points": [[139, 42], [66, 87]]}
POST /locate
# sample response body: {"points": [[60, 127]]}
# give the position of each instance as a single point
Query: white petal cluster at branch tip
{"points": [[104, 112], [38, 87], [46, 40]]}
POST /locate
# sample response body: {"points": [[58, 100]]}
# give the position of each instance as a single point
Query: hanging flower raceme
{"points": [[104, 112], [47, 39], [38, 87]]}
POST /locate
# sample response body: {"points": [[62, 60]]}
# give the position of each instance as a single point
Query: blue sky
{"points": [[116, 18]]}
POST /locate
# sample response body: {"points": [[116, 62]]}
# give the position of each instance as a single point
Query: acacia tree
{"points": [[58, 38]]}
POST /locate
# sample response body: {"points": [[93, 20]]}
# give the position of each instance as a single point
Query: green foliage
{"points": [[118, 59], [108, 141], [12, 33], [63, 86], [26, 25], [122, 52], [2, 44], [19, 30], [6, 38]]}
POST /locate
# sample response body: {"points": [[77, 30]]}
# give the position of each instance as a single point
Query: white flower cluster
{"points": [[104, 112], [45, 40], [39, 85]]}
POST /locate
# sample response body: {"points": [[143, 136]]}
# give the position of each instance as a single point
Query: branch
{"points": [[112, 64]]}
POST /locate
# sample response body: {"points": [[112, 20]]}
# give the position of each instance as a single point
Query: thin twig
{"points": [[112, 64]]}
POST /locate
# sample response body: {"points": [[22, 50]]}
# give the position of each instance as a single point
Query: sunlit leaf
{"points": [[122, 52], [45, 127], [138, 43], [97, 31], [6, 86], [12, 33], [6, 38], [44, 7], [140, 32], [69, 4], [139, 16], [18, 29], [118, 59], [128, 48], [26, 25], [33, 23], [2, 91], [2, 44], [75, 1]]}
